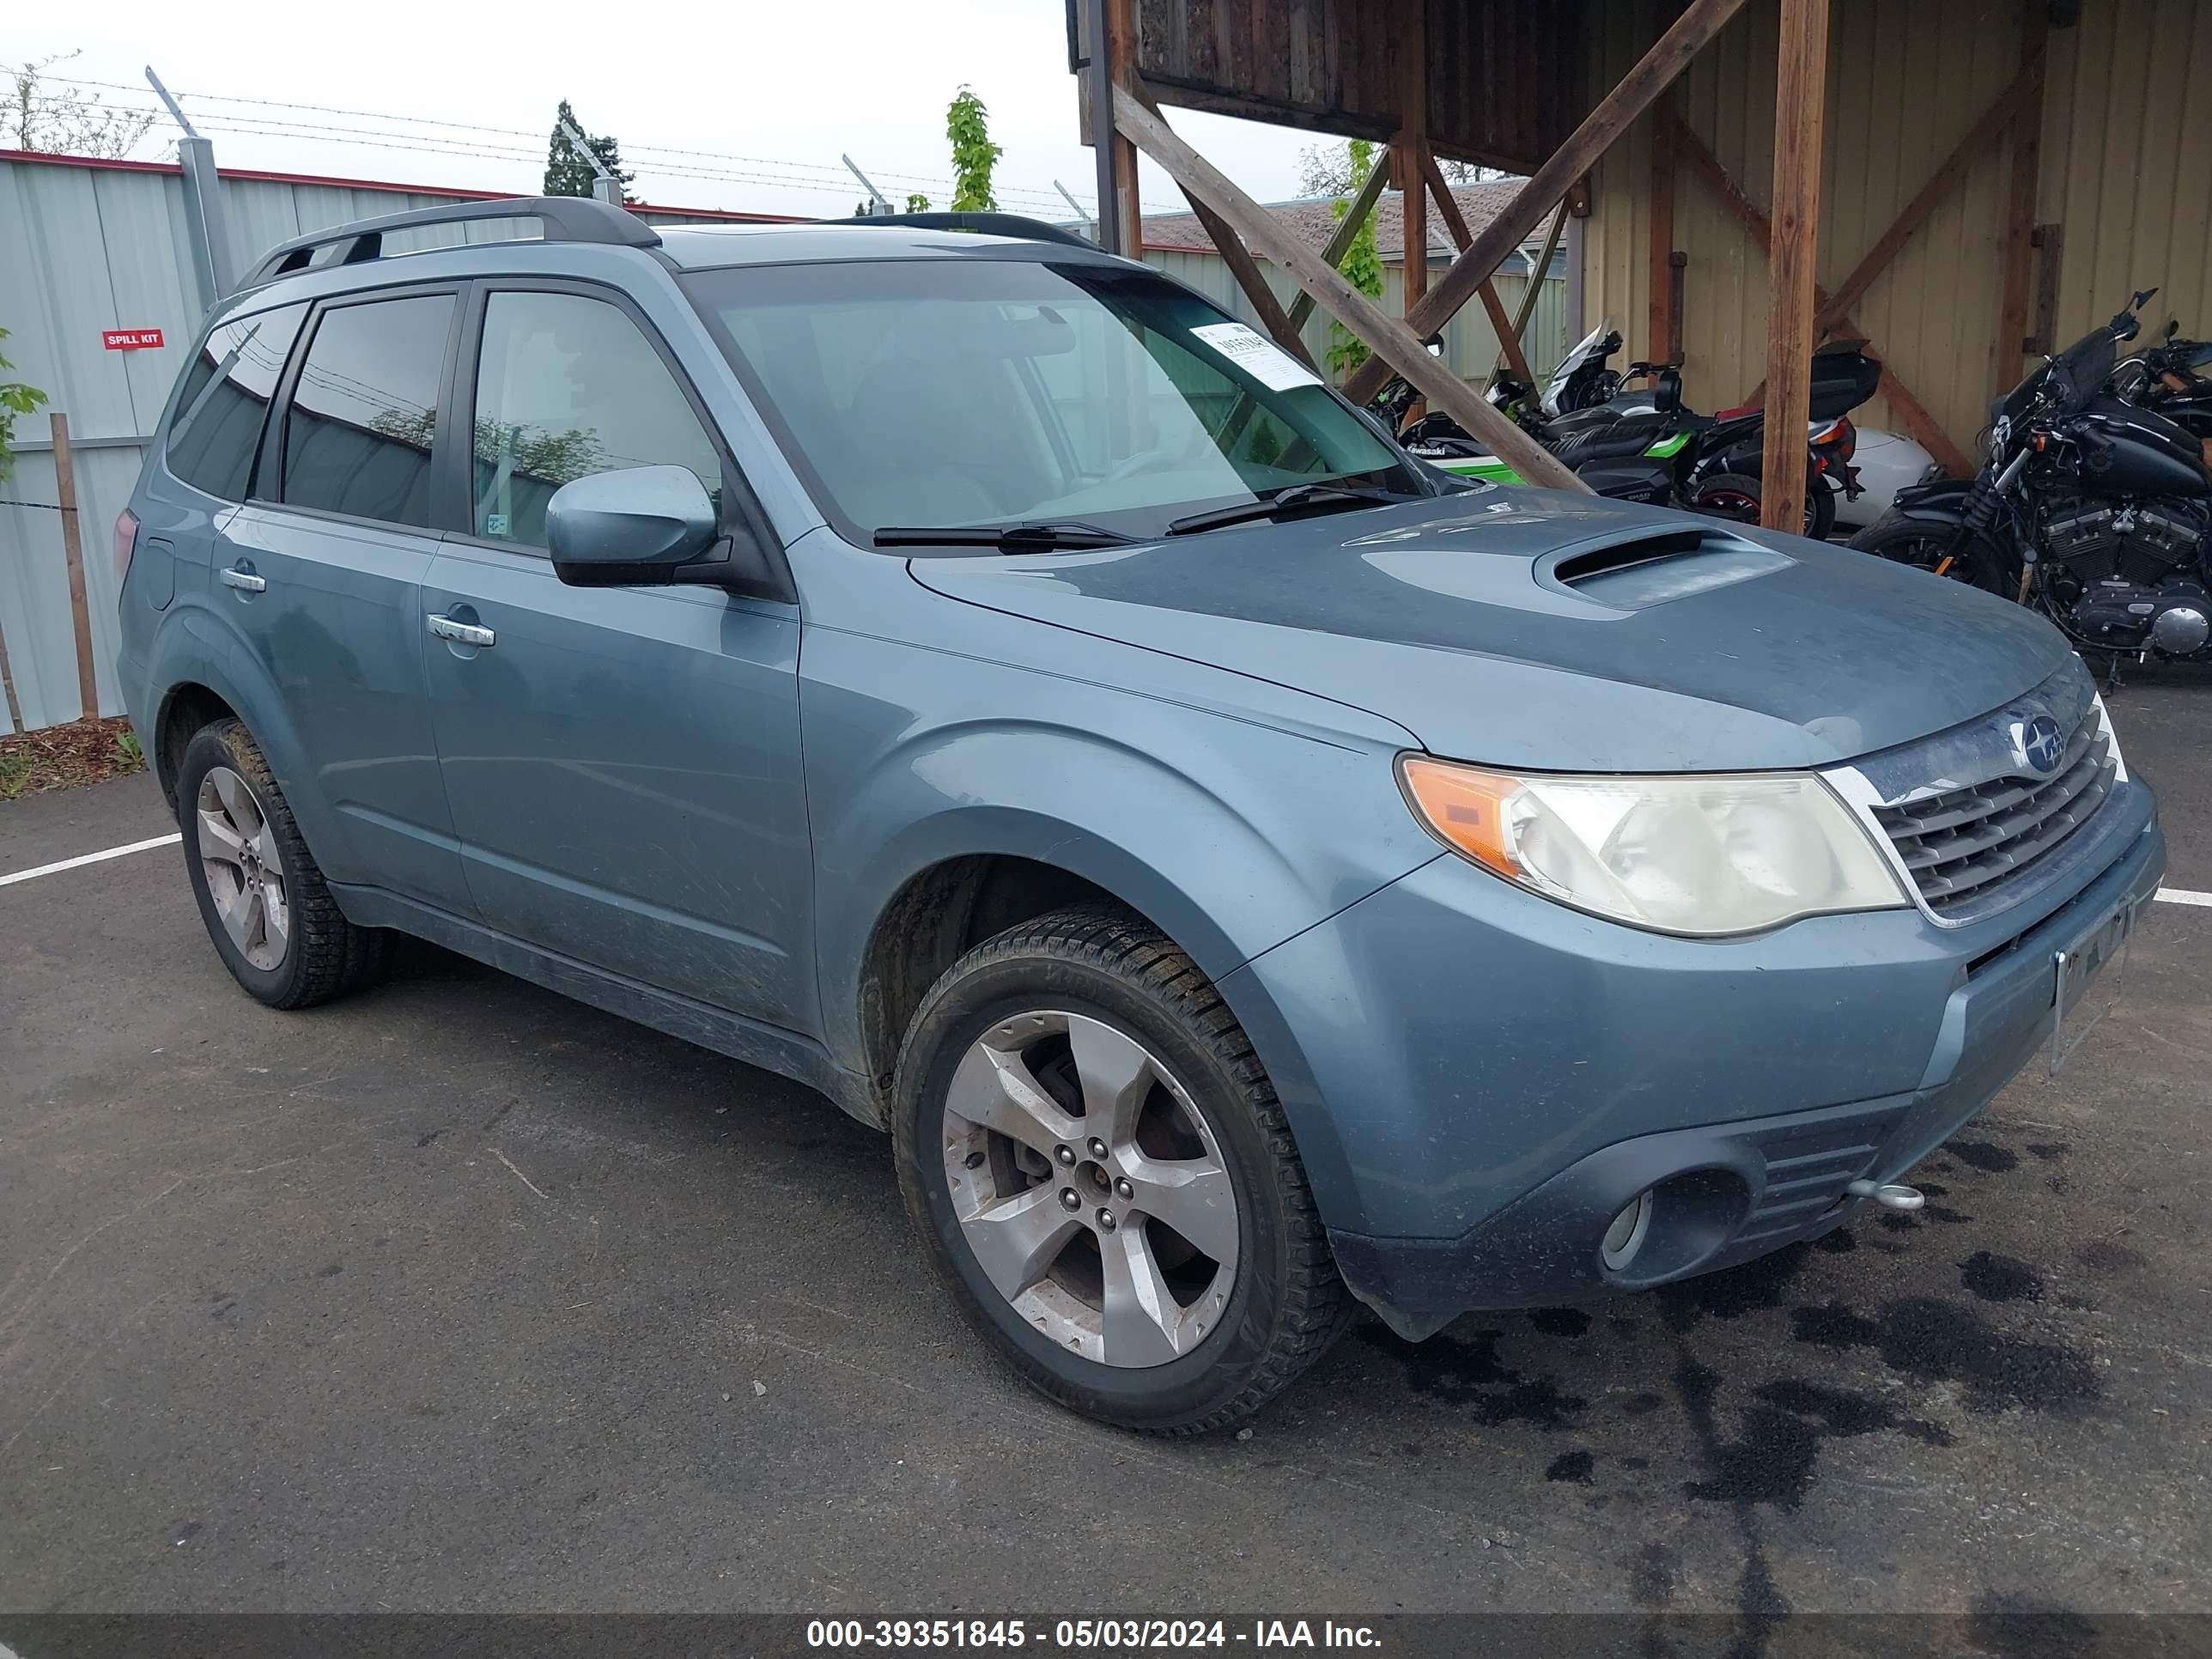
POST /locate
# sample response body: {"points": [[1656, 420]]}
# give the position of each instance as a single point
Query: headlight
{"points": [[1702, 854]]}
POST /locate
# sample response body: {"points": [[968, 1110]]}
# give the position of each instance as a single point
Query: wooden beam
{"points": [[1341, 243], [1392, 343], [2026, 88], [1660, 346], [1924, 429], [2020, 206], [1414, 213], [1508, 335], [1120, 49], [1801, 98], [1652, 73], [1539, 272], [1249, 277]]}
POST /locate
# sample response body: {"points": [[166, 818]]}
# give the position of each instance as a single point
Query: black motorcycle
{"points": [[2093, 508]]}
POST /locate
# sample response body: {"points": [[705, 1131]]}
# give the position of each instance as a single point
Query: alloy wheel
{"points": [[244, 875], [1091, 1189]]}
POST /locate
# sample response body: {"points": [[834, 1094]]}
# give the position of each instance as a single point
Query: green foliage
{"points": [[917, 203], [14, 774], [567, 171], [974, 155], [58, 118], [16, 398], [128, 756], [1361, 265]]}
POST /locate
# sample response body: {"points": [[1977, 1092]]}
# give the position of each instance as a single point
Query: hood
{"points": [[1531, 628]]}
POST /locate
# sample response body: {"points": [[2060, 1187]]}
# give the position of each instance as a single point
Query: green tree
{"points": [[1361, 265], [974, 155], [568, 172], [16, 398], [917, 203], [57, 118]]}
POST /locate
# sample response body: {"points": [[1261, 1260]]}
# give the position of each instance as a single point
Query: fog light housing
{"points": [[1625, 1236]]}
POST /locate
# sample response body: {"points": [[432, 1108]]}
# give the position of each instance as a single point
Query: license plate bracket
{"points": [[2106, 944]]}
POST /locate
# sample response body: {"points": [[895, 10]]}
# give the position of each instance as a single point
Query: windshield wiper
{"points": [[1293, 499], [1036, 535]]}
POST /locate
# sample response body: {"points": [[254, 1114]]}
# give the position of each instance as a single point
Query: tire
{"points": [[1737, 495], [319, 954], [1925, 544], [1248, 1326], [1734, 496], [1819, 508]]}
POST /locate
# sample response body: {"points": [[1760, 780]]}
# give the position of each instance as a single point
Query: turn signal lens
{"points": [[1701, 854]]}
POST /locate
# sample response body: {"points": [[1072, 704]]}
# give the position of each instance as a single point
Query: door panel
{"points": [[623, 768], [338, 622]]}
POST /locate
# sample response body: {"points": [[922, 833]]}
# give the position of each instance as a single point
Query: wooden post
{"points": [[1120, 50], [1412, 48], [2020, 206], [7, 686], [1799, 112], [1660, 346], [1653, 74], [1394, 344], [87, 684]]}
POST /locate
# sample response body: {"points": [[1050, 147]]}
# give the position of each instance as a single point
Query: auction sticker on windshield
{"points": [[1257, 356]]}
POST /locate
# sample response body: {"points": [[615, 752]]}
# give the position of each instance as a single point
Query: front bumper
{"points": [[1491, 1079]]}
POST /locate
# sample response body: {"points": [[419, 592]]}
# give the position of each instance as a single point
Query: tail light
{"points": [[126, 543]]}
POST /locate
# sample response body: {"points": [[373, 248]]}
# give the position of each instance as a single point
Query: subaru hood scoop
{"points": [[1532, 628]]}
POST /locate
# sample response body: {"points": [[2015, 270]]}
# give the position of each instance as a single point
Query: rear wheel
{"points": [[1738, 496], [1105, 1181], [264, 901], [1928, 544]]}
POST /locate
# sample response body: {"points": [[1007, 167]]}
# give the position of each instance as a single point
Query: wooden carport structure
{"points": [[1517, 85]]}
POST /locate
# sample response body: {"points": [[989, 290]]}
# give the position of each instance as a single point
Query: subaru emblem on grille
{"points": [[2039, 744]]}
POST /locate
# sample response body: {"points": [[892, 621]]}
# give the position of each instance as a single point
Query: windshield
{"points": [[2075, 375], [1590, 348], [982, 392]]}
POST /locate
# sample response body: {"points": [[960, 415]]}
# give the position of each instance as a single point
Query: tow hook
{"points": [[1890, 1194]]}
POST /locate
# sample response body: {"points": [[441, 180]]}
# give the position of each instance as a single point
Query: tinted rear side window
{"points": [[358, 432], [225, 397]]}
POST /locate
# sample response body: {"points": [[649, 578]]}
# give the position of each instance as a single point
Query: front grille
{"points": [[1962, 843]]}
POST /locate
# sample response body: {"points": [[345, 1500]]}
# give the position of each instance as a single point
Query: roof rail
{"points": [[566, 219], [989, 224]]}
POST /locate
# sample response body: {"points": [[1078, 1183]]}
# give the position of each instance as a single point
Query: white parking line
{"points": [[169, 840], [2165, 894]]}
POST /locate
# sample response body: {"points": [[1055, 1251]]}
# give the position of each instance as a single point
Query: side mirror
{"points": [[639, 526], [2172, 326]]}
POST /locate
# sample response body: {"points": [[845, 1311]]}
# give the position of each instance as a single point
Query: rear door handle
{"points": [[461, 633], [243, 580]]}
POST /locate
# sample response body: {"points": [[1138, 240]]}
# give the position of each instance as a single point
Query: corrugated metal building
{"points": [[88, 246], [2125, 171], [1178, 244]]}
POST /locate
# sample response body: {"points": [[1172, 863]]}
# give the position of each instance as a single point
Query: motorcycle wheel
{"points": [[1925, 544], [1737, 494]]}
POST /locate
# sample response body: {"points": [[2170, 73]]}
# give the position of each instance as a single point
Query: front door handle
{"points": [[245, 580], [461, 633]]}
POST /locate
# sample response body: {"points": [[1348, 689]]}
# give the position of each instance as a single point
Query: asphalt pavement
{"points": [[459, 1296]]}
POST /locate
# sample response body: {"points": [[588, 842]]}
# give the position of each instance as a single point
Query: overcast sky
{"points": [[766, 96]]}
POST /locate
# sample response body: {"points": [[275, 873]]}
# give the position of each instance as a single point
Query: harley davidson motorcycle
{"points": [[2095, 510]]}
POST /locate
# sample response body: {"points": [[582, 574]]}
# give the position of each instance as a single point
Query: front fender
{"points": [[1944, 499], [195, 646]]}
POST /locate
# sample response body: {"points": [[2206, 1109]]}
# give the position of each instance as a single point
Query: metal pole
{"points": [[1102, 128], [605, 187], [866, 184], [1090, 224], [213, 268]]}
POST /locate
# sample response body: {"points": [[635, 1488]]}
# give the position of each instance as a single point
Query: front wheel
{"points": [[1927, 544], [1105, 1181]]}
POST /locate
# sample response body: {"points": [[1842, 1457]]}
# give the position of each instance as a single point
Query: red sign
{"points": [[130, 339]]}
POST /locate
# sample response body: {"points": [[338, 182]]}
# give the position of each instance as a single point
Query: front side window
{"points": [[226, 399], [566, 387], [978, 392], [364, 413]]}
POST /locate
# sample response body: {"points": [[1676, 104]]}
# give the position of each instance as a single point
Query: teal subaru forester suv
{"points": [[1248, 873]]}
